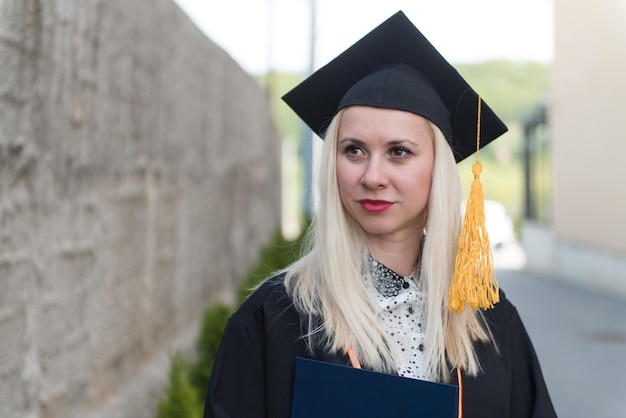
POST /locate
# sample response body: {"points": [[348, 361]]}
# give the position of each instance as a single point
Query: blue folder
{"points": [[326, 390]]}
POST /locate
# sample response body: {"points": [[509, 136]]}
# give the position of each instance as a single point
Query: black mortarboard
{"points": [[396, 67]]}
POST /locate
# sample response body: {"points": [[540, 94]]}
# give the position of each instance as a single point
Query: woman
{"points": [[372, 288]]}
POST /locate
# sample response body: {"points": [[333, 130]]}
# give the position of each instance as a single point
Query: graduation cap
{"points": [[396, 67]]}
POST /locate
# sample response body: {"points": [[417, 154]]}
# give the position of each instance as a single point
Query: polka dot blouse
{"points": [[401, 302]]}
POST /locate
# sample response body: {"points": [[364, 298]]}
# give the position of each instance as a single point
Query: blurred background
{"points": [[149, 170]]}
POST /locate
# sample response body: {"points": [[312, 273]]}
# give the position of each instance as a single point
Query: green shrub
{"points": [[184, 395], [180, 398], [212, 327]]}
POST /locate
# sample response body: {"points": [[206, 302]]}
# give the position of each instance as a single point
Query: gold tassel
{"points": [[474, 281]]}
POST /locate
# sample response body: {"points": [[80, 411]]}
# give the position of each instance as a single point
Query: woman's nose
{"points": [[375, 176]]}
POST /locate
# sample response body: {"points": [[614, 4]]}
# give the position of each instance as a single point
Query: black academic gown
{"points": [[254, 368]]}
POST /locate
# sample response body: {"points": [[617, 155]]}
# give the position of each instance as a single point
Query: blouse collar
{"points": [[386, 281]]}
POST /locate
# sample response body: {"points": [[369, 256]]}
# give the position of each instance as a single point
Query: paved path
{"points": [[580, 339]]}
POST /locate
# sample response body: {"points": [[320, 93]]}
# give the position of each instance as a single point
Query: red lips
{"points": [[375, 206]]}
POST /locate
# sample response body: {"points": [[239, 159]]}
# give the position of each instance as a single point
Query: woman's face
{"points": [[385, 162]]}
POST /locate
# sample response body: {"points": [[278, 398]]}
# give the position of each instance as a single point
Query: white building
{"points": [[586, 239]]}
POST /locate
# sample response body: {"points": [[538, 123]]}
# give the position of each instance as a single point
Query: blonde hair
{"points": [[327, 282]]}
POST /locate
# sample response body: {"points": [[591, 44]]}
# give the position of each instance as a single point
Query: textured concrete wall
{"points": [[139, 174]]}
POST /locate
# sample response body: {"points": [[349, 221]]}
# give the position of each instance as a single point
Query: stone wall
{"points": [[139, 174]]}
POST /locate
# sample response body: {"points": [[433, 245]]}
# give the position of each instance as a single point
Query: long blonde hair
{"points": [[327, 282]]}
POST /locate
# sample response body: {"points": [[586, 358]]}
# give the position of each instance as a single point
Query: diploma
{"points": [[326, 390]]}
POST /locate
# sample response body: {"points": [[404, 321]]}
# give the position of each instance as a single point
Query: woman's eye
{"points": [[400, 152], [353, 151]]}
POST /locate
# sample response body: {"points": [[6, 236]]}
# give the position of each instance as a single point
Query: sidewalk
{"points": [[580, 339]]}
